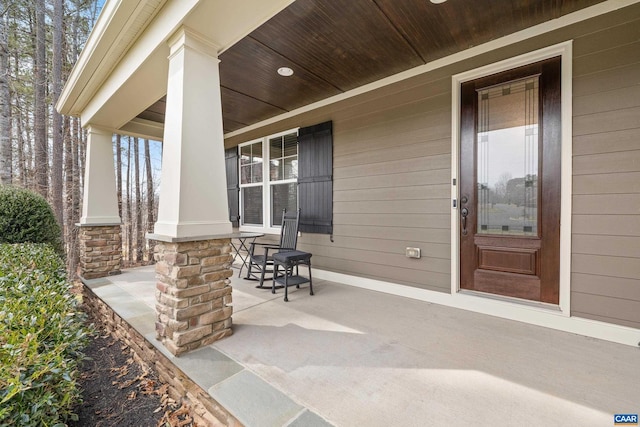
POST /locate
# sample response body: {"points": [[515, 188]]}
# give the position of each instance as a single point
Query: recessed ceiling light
{"points": [[285, 71], [438, 1]]}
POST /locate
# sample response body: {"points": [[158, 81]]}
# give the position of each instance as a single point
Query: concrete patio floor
{"points": [[353, 357]]}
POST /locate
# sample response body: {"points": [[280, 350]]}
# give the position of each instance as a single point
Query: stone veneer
{"points": [[202, 407], [193, 293], [100, 250]]}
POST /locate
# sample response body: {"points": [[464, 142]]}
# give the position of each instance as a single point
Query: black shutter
{"points": [[233, 187], [315, 178]]}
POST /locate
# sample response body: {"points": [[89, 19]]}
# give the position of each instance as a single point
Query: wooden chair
{"points": [[261, 262]]}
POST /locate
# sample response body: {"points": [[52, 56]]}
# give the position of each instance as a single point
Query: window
{"points": [[283, 175], [287, 170], [268, 179], [251, 166]]}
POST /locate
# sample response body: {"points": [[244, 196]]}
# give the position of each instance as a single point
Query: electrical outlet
{"points": [[412, 252]]}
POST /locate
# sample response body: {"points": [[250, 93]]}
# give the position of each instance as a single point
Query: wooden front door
{"points": [[510, 183]]}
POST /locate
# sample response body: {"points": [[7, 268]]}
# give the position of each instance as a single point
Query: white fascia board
{"points": [[73, 85], [100, 52], [563, 21], [152, 40]]}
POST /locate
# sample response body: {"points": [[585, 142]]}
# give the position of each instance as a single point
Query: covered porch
{"points": [[385, 77], [202, 77], [350, 356]]}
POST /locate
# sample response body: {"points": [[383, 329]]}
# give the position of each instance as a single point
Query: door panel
{"points": [[510, 183], [508, 260]]}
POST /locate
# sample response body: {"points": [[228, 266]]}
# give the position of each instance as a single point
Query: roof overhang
{"points": [[123, 66], [338, 50], [117, 27]]}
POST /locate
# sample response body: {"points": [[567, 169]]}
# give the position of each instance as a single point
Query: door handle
{"points": [[464, 212]]}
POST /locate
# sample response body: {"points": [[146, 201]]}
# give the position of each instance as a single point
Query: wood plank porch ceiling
{"points": [[337, 45]]}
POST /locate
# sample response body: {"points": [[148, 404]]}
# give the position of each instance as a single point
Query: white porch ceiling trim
{"points": [[142, 128], [566, 20]]}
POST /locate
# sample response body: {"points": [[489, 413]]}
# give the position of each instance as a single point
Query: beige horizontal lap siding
{"points": [[605, 279], [392, 149], [392, 166]]}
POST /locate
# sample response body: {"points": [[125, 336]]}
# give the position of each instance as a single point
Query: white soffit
{"points": [[143, 129]]}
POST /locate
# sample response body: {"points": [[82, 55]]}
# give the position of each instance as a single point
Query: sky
{"points": [[155, 148], [100, 5]]}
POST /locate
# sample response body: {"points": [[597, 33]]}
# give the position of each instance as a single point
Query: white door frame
{"points": [[564, 50]]}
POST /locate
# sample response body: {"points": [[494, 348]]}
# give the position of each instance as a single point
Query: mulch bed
{"points": [[119, 391]]}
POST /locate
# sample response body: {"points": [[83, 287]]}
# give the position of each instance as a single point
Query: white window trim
{"points": [[503, 306], [256, 184], [266, 184]]}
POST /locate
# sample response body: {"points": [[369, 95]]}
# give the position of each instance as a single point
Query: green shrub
{"points": [[27, 217], [42, 333]]}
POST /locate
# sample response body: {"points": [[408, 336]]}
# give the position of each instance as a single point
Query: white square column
{"points": [[100, 201], [193, 198]]}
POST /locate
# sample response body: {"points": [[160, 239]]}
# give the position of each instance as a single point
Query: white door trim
{"points": [[565, 51]]}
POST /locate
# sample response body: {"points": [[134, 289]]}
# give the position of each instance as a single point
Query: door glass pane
{"points": [[507, 158], [252, 205], [283, 196]]}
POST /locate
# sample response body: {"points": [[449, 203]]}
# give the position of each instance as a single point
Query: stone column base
{"points": [[100, 250], [193, 293]]}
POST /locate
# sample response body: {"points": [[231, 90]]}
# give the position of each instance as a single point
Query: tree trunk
{"points": [[40, 83], [150, 196], [56, 165], [75, 132], [6, 152], [23, 146], [70, 207], [139, 229], [76, 189], [119, 172], [22, 161], [129, 210], [82, 155]]}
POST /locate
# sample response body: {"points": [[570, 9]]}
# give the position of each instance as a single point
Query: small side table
{"points": [[288, 260], [242, 247]]}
